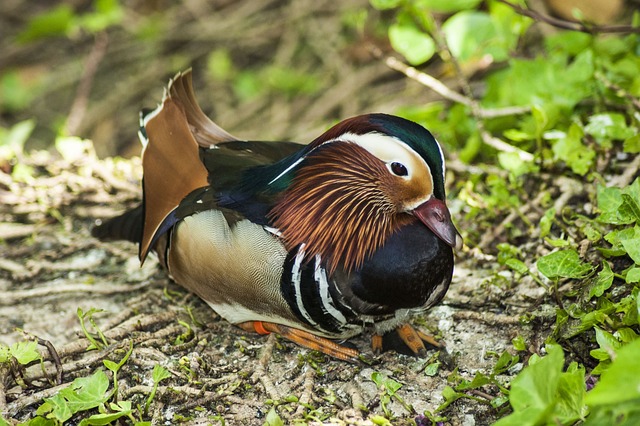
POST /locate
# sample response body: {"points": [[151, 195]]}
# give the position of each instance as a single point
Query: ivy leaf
{"points": [[25, 352], [5, 353], [602, 282], [608, 126], [59, 408], [630, 207], [273, 419], [563, 264], [533, 391], [159, 373], [54, 22], [633, 275], [621, 381], [472, 35], [415, 45], [448, 6], [632, 144], [609, 202], [571, 395], [517, 265], [572, 151], [385, 4], [121, 409], [87, 392]]}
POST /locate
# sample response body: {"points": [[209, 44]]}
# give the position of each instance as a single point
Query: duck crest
{"points": [[336, 206]]}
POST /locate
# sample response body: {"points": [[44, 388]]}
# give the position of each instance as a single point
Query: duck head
{"points": [[358, 183]]}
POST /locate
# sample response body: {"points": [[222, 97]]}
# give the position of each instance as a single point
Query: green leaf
{"points": [[609, 126], [447, 6], [517, 265], [5, 353], [59, 408], [110, 365], [570, 396], [415, 45], [632, 144], [621, 381], [602, 282], [220, 65], [630, 208], [609, 202], [633, 275], [54, 22], [73, 148], [608, 343], [273, 419], [519, 343], [505, 362], [25, 352], [533, 394], [12, 141], [432, 369], [563, 264], [546, 221], [121, 409], [471, 35], [86, 392], [632, 247], [160, 373], [513, 162], [385, 4], [572, 151]]}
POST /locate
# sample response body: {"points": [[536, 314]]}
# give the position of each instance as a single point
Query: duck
{"points": [[315, 242]]}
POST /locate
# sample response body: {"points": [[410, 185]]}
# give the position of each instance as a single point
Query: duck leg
{"points": [[304, 338]]}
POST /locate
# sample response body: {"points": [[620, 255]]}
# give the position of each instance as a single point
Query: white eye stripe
{"points": [[441, 159], [388, 149]]}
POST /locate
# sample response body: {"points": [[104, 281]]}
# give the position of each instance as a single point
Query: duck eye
{"points": [[399, 169]]}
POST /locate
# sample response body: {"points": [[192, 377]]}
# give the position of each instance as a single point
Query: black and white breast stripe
{"points": [[312, 295]]}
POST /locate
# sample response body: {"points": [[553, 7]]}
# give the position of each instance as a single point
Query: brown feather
{"points": [[339, 205], [171, 166], [205, 131]]}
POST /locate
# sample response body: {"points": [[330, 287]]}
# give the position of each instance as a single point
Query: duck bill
{"points": [[435, 215]]}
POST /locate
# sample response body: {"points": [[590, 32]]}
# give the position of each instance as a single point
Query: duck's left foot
{"points": [[305, 339], [409, 338]]}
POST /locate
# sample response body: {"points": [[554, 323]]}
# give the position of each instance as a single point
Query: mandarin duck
{"points": [[313, 242]]}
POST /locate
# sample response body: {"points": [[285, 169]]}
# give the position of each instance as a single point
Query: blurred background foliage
{"points": [[269, 69]]}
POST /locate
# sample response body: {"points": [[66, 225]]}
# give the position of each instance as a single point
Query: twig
{"points": [[24, 401], [619, 90], [481, 394], [54, 356], [440, 88], [261, 368], [627, 176], [357, 402], [307, 391], [4, 372], [487, 317], [12, 297], [478, 112], [568, 25], [79, 106]]}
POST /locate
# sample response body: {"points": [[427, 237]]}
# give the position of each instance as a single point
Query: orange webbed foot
{"points": [[405, 337], [305, 339]]}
